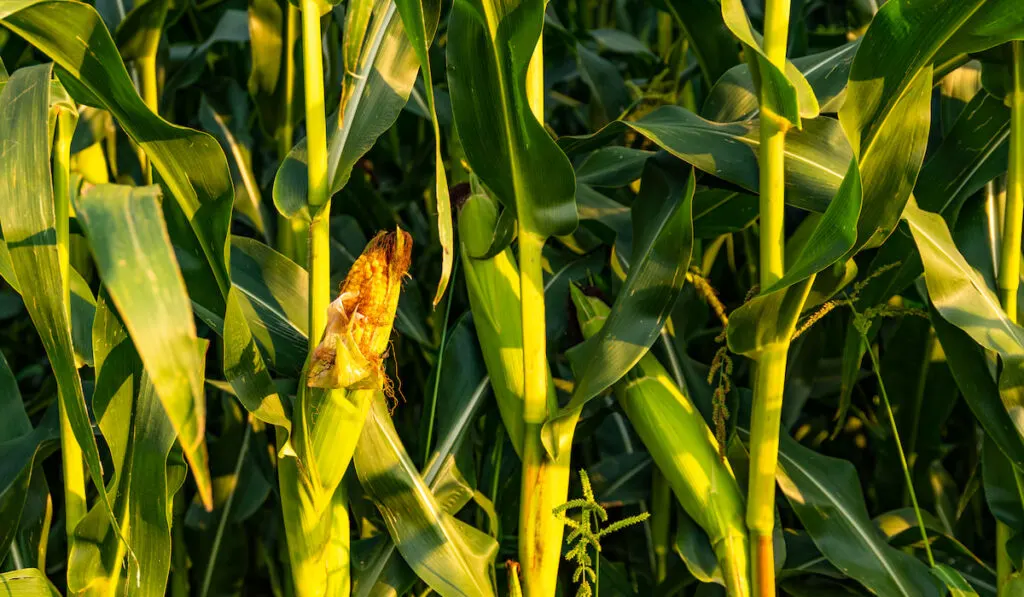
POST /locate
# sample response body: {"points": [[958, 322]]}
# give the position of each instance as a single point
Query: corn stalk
{"points": [[770, 375], [1009, 257]]}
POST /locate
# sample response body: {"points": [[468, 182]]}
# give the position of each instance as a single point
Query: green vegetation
{"points": [[331, 298]]}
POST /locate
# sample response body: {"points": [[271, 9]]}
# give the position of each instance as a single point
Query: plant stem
{"points": [[539, 568], [312, 534], [769, 381], [545, 482], [291, 233], [1009, 254], [770, 374], [318, 199], [150, 95], [71, 452], [440, 364], [225, 513], [1009, 262], [899, 447]]}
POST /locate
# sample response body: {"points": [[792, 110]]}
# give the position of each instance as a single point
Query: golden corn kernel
{"points": [[359, 321]]}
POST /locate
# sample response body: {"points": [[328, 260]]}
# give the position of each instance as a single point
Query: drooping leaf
{"points": [[29, 222], [461, 394], [452, 557], [380, 90], [734, 98], [420, 19], [136, 262], [490, 46], [962, 298], [663, 242], [787, 93]]}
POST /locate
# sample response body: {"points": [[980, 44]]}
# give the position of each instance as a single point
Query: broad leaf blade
{"points": [[136, 262], [663, 243], [449, 555], [825, 494], [490, 46]]}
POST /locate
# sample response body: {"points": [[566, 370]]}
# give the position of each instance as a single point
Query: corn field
{"points": [[480, 298]]}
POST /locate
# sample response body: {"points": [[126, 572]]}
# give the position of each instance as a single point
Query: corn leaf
{"points": [[136, 262], [380, 89], [734, 98], [816, 157], [788, 93], [713, 45], [659, 260], [420, 17], [22, 446], [449, 555], [490, 46], [769, 319], [140, 436], [29, 582], [28, 218], [825, 494], [962, 298], [462, 393]]}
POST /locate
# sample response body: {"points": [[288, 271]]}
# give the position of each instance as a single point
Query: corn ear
{"points": [[493, 288], [685, 450], [344, 375]]}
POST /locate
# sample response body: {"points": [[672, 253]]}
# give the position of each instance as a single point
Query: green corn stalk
{"points": [[1009, 256], [770, 376], [685, 450], [493, 286]]}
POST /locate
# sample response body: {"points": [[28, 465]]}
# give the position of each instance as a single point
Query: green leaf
{"points": [[962, 298], [22, 446], [970, 370], [191, 165], [452, 557], [229, 131], [900, 43], [420, 18], [490, 45], [710, 40], [611, 167], [268, 76], [232, 27], [769, 319], [825, 494], [29, 221], [609, 97], [138, 34], [29, 582], [815, 156], [788, 93], [734, 98], [461, 394], [136, 262], [380, 90], [140, 436], [662, 246]]}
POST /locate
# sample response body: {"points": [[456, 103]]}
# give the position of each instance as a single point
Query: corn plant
{"points": [[331, 297]]}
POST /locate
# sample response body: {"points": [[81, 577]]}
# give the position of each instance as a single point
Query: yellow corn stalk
{"points": [[344, 375], [493, 287], [685, 450]]}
